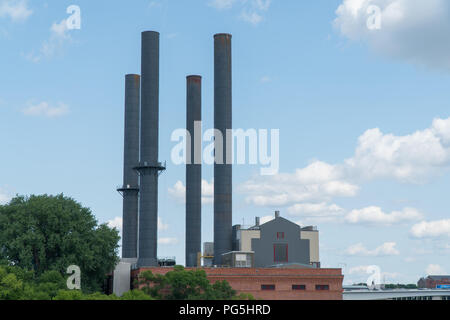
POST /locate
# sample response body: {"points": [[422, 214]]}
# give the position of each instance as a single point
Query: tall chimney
{"points": [[222, 167], [193, 172], [130, 188], [149, 167]]}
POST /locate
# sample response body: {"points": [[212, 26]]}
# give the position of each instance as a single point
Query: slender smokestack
{"points": [[149, 166], [222, 170], [194, 171], [130, 188]]}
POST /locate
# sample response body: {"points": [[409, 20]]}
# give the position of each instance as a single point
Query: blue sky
{"points": [[363, 116]]}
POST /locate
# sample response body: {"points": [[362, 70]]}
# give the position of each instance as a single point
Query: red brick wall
{"points": [[432, 284], [250, 280]]}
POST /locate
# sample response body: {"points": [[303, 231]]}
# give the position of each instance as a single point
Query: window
{"points": [[241, 261], [322, 287], [298, 287], [268, 287], [280, 235], [280, 252]]}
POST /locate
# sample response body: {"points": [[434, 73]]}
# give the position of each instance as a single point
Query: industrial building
{"points": [[434, 282], [277, 242], [295, 283], [274, 260]]}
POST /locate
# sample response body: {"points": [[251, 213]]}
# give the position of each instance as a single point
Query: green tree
{"points": [[18, 284], [136, 295], [220, 290], [44, 233], [244, 296], [69, 295], [11, 288], [49, 284], [152, 285], [100, 296], [181, 284], [184, 285]]}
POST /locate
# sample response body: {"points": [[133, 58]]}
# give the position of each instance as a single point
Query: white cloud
{"points": [[155, 4], [46, 110], [4, 198], [361, 270], [251, 11], [415, 31], [318, 181], [59, 30], [222, 4], [315, 213], [413, 158], [361, 274], [207, 192], [262, 4], [178, 192], [386, 249], [431, 229], [314, 209], [16, 10], [409, 158], [435, 270], [266, 219], [58, 37], [375, 216], [116, 223], [167, 241], [251, 17], [358, 270], [266, 79]]}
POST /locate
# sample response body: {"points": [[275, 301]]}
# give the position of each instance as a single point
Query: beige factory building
{"points": [[242, 240]]}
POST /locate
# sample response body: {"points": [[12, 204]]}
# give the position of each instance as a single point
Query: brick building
{"points": [[433, 282], [277, 260], [288, 283]]}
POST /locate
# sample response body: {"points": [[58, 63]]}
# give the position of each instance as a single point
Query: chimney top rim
{"points": [[193, 76], [223, 35], [150, 32]]}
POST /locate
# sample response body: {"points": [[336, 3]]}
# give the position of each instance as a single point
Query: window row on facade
{"points": [[295, 287]]}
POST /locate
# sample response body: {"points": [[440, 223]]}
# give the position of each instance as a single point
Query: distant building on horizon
{"points": [[434, 282]]}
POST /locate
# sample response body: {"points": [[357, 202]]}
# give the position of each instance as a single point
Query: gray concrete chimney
{"points": [[149, 167], [193, 172], [222, 171], [130, 188]]}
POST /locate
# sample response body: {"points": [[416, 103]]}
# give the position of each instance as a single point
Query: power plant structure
{"points": [[193, 171], [141, 157], [273, 260], [223, 175], [130, 187], [149, 166]]}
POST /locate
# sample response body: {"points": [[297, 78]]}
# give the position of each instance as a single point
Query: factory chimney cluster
{"points": [[141, 162]]}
